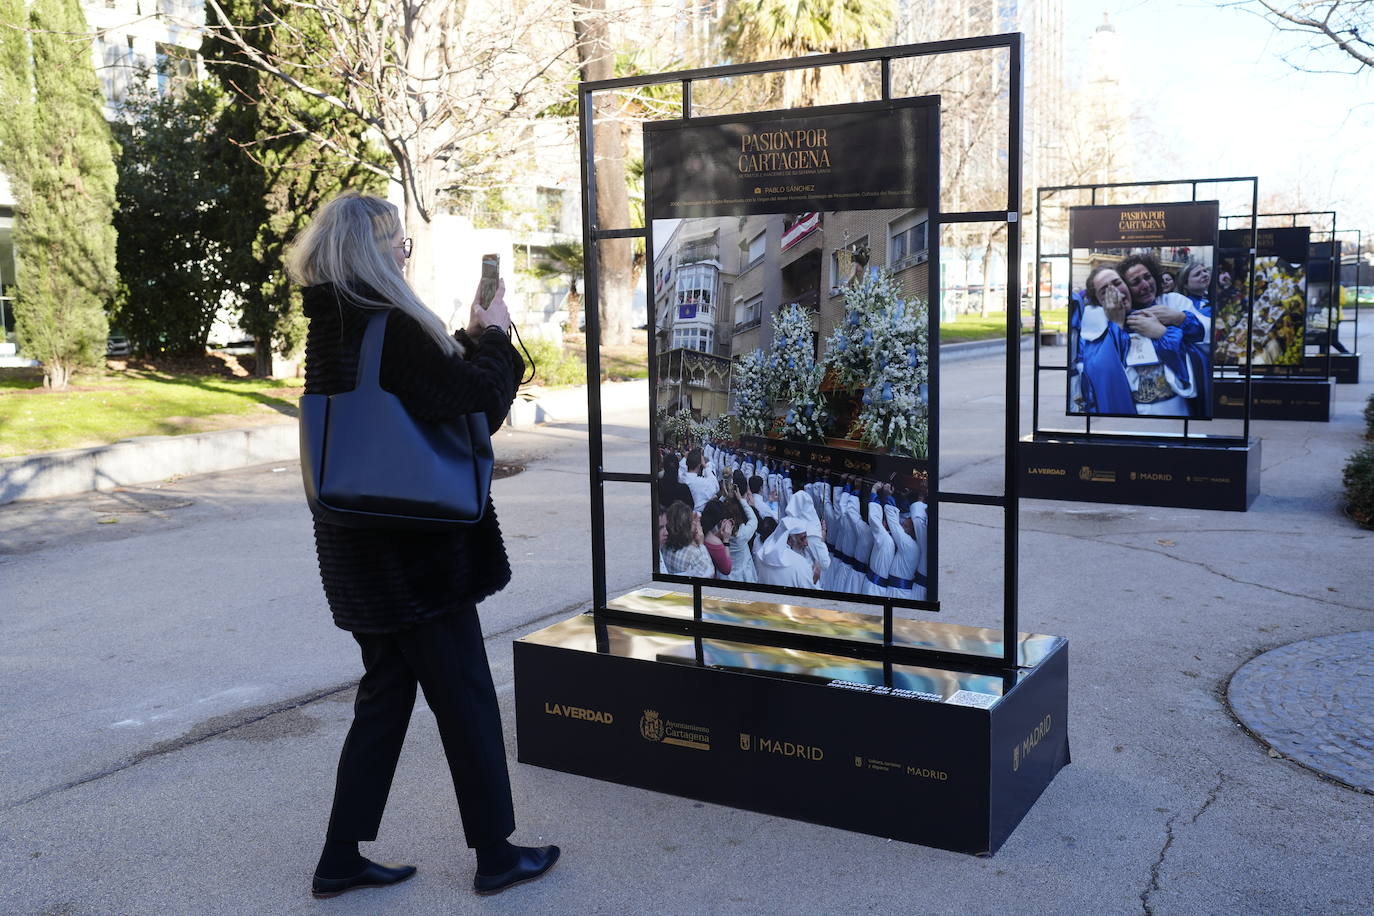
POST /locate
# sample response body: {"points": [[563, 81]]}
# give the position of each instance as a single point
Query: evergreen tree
{"points": [[59, 158], [176, 212], [283, 175]]}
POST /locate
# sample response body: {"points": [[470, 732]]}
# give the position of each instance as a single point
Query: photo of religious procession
{"points": [[791, 418], [808, 327], [1277, 335], [1140, 328]]}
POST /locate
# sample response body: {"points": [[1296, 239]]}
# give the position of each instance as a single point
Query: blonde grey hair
{"points": [[348, 243]]}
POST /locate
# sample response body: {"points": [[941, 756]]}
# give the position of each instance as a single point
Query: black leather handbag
{"points": [[367, 463]]}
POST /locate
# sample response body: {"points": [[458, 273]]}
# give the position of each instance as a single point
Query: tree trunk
{"points": [[574, 304], [262, 356], [614, 288], [420, 267], [984, 305], [57, 373]]}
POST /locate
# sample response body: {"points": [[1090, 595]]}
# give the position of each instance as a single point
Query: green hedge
{"points": [[1359, 486]]}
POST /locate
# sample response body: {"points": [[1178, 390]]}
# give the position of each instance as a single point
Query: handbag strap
{"points": [[370, 355]]}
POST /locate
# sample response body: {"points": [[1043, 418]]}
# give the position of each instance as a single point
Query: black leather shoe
{"points": [[532, 862], [372, 875]]}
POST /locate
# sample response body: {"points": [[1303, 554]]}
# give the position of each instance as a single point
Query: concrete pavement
{"points": [[176, 698]]}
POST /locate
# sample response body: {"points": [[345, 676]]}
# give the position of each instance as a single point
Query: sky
{"points": [[1220, 77], [1218, 85]]}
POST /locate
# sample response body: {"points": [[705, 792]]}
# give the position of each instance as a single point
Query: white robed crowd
{"points": [[853, 537]]}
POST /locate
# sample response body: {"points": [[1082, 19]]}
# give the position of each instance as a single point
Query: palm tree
{"points": [[563, 261], [774, 29]]}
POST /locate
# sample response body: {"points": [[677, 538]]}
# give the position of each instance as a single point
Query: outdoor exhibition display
{"points": [[1152, 304], [1293, 297], [1341, 324], [792, 406]]}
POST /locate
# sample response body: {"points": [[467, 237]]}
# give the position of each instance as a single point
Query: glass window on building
{"points": [[176, 69], [844, 264], [756, 248], [549, 209], [749, 312], [696, 290], [700, 339], [907, 242], [698, 250]]}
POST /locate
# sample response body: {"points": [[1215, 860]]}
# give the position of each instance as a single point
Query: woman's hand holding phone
{"points": [[495, 314]]}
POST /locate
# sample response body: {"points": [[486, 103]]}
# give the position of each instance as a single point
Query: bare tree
{"points": [[615, 257], [1346, 25], [451, 90]]}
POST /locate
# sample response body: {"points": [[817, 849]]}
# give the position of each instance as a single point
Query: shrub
{"points": [[554, 366], [1359, 486], [1369, 418]]}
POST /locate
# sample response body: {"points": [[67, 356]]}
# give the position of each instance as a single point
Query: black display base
{"points": [[1187, 473], [945, 758], [1344, 367], [1274, 399]]}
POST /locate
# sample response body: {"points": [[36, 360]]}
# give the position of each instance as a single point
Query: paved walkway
{"points": [[1313, 702]]}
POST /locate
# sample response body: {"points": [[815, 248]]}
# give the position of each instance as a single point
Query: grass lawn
{"points": [[106, 406], [617, 363], [970, 326], [103, 407]]}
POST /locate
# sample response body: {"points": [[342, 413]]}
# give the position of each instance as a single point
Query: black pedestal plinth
{"points": [[1344, 367], [1274, 399], [844, 745], [1191, 474]]}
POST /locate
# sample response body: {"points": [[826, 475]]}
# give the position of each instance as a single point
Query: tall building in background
{"points": [[1098, 112], [1046, 122]]}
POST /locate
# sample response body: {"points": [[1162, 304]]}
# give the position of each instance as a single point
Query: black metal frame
{"points": [[1334, 282], [593, 233], [1359, 262], [1041, 257]]}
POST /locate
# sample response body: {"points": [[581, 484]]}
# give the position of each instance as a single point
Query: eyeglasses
{"points": [[406, 246]]}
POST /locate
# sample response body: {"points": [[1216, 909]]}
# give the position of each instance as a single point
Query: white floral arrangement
{"points": [[881, 348], [753, 387], [797, 376], [679, 427], [716, 432]]}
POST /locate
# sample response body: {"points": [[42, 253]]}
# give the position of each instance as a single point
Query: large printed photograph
{"points": [[1143, 282], [791, 346], [1277, 334], [1321, 325]]}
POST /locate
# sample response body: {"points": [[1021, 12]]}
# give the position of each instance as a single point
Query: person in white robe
{"points": [[863, 544], [918, 532], [843, 578], [783, 561], [902, 578], [800, 506], [884, 550]]}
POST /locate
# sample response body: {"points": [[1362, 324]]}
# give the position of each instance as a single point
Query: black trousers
{"points": [[448, 660]]}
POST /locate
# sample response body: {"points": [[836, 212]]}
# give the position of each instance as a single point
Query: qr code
{"points": [[970, 698]]}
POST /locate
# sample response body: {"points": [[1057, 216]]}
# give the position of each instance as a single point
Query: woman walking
{"points": [[410, 598]]}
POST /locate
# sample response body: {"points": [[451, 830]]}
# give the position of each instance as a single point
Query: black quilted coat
{"points": [[384, 581]]}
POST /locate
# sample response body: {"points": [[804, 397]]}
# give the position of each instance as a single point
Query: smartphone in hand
{"points": [[491, 276]]}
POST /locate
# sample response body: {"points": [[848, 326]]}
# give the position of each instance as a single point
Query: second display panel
{"points": [[793, 347]]}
